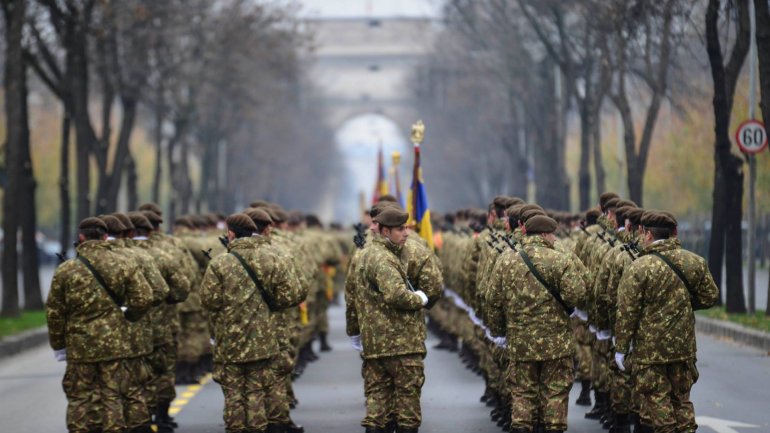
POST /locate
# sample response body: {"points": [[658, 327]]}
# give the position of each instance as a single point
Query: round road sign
{"points": [[751, 136]]}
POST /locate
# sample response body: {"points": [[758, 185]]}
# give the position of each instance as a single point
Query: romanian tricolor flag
{"points": [[417, 202], [381, 184]]}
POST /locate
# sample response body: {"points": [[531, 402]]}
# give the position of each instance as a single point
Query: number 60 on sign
{"points": [[751, 136]]}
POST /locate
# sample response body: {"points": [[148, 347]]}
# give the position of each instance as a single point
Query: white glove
{"points": [[614, 341], [580, 314], [500, 342], [212, 341], [355, 341], [592, 328], [604, 334], [60, 355], [124, 309], [422, 296], [619, 359]]}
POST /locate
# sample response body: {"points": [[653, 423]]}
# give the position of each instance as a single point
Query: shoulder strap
{"points": [[100, 280], [542, 281], [693, 300], [253, 276]]}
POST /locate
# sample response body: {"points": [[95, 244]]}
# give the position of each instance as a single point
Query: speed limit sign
{"points": [[751, 136]]}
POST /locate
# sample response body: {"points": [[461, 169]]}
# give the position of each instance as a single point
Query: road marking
{"points": [[722, 425], [187, 394]]}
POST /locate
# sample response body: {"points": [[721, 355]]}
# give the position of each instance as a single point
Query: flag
{"points": [[396, 178], [417, 203], [381, 184]]}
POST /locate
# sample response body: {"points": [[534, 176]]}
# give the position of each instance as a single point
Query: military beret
{"points": [[391, 217], [151, 207], [540, 224], [529, 213], [185, 221], [259, 216], [278, 214], [92, 223], [114, 226], [657, 219], [296, 218], [140, 221], [527, 207], [620, 214], [387, 198], [378, 207], [605, 197], [501, 201], [152, 217], [635, 215], [241, 222], [670, 215], [514, 201], [513, 211], [611, 204], [592, 215], [628, 203], [124, 219], [258, 203]]}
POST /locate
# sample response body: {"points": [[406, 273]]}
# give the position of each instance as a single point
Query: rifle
{"points": [[609, 241], [360, 238], [224, 241], [62, 257], [207, 253]]}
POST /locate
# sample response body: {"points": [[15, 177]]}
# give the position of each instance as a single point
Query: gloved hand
{"points": [[422, 296], [500, 342], [60, 355], [212, 341], [592, 328], [580, 314], [604, 334], [619, 359], [355, 341]]}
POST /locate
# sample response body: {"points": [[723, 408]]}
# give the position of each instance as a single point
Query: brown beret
{"points": [[527, 207], [151, 207], [380, 206], [114, 226], [621, 214], [513, 211], [241, 222], [140, 221], [628, 203], [259, 216], [635, 215], [278, 214], [92, 223], [185, 221], [611, 204], [592, 215], [152, 217], [124, 219], [540, 224], [387, 198], [657, 219], [670, 215], [501, 201], [258, 203], [605, 197], [391, 217], [529, 213], [514, 201]]}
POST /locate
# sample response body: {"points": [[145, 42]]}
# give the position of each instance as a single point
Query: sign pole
{"points": [[752, 161]]}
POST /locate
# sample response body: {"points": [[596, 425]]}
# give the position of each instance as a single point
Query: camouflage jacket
{"points": [[520, 308], [470, 267], [423, 269], [352, 325], [390, 316], [240, 320], [655, 319], [286, 320], [598, 310], [82, 317]]}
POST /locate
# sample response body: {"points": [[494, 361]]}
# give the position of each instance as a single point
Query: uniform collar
{"points": [[662, 245], [536, 241]]}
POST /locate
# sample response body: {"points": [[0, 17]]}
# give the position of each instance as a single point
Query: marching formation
{"points": [[540, 299], [137, 311]]}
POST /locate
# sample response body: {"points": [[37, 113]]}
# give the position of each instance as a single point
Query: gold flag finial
{"points": [[418, 133], [396, 158]]}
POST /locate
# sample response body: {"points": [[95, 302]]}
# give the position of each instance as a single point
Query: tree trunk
{"points": [[735, 301], [584, 173], [132, 181], [109, 185], [64, 186], [17, 132], [596, 146], [158, 173]]}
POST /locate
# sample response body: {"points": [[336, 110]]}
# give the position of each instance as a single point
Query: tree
{"points": [[726, 238]]}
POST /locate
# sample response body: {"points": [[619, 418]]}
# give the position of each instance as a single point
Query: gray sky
{"points": [[370, 8]]}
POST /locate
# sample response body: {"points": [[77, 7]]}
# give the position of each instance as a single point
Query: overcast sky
{"points": [[370, 8]]}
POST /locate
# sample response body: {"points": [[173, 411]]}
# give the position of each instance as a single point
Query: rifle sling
{"points": [[693, 300], [255, 280], [542, 281], [100, 280]]}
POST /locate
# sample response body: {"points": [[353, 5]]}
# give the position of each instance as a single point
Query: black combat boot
{"points": [[644, 428], [147, 428], [608, 418], [621, 424], [599, 407], [163, 420], [374, 430], [406, 430], [293, 427], [324, 343], [276, 428], [554, 431], [585, 394], [519, 430], [539, 428]]}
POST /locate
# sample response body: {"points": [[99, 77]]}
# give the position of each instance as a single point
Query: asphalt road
{"points": [[734, 385]]}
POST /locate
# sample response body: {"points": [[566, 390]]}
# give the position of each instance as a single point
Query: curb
{"points": [[14, 344], [733, 331]]}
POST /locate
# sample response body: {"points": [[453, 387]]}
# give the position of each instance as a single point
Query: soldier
{"points": [[92, 299], [240, 290], [533, 294], [391, 323], [657, 295]]}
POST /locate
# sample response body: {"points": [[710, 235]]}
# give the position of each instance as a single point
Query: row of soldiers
{"points": [[531, 294], [137, 309]]}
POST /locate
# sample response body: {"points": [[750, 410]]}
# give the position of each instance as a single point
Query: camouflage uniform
{"points": [[391, 323], [537, 329], [242, 325], [655, 317], [84, 320]]}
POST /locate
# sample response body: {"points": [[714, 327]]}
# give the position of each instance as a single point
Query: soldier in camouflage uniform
{"points": [[390, 329], [239, 306], [655, 327], [92, 299], [536, 326]]}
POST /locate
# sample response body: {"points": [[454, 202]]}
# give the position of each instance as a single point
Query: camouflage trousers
{"points": [[601, 355], [280, 397], [193, 336], [245, 387], [322, 318], [109, 396], [162, 361], [621, 395], [392, 387], [663, 391], [540, 387]]}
